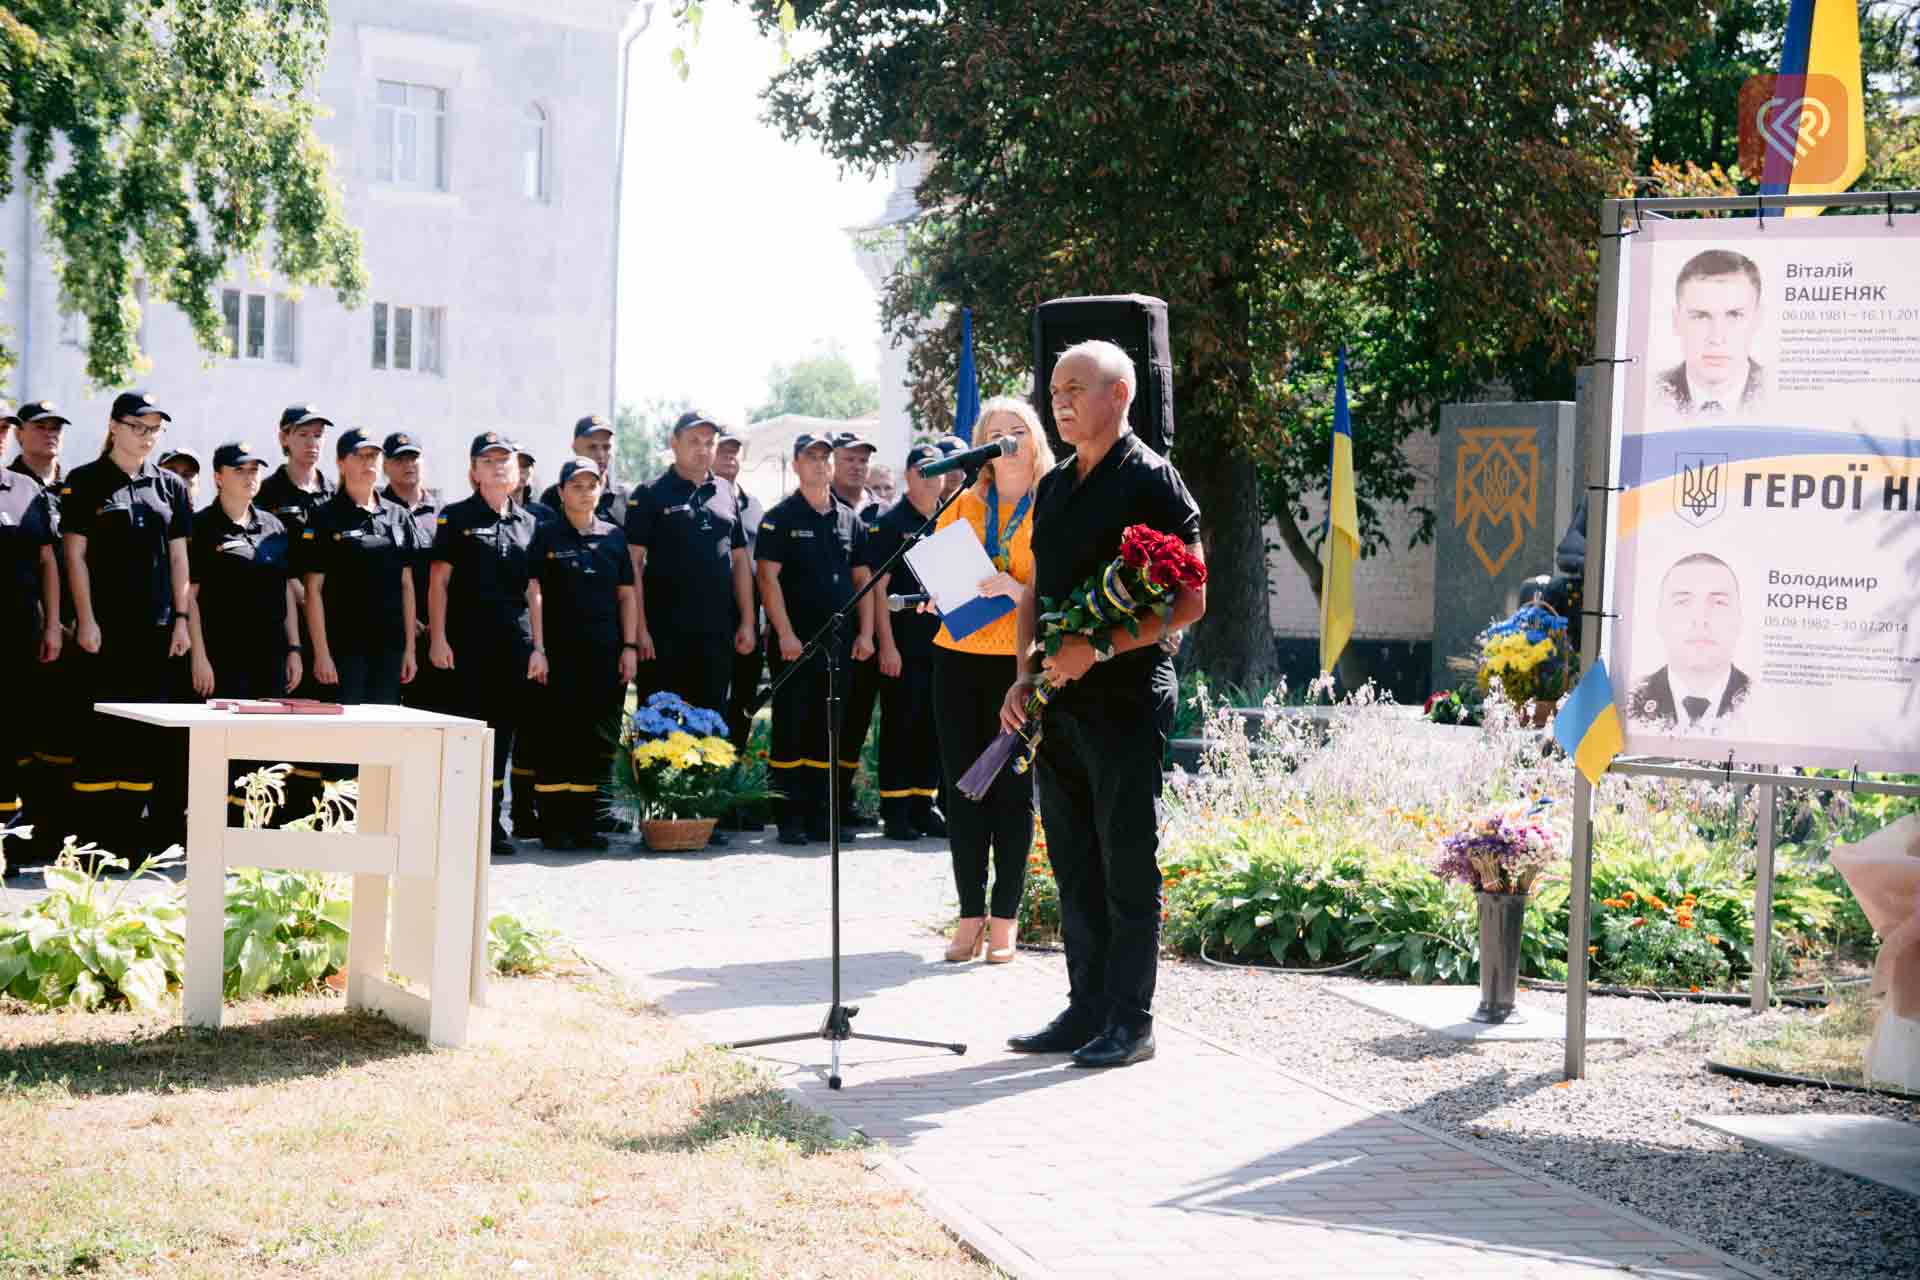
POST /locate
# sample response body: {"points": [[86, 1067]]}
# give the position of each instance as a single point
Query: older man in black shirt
{"points": [[1098, 771]]}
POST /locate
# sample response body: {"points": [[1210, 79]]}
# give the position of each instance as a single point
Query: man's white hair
{"points": [[1112, 360]]}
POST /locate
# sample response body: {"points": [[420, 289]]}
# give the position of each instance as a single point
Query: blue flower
{"points": [[701, 720], [666, 699], [652, 723]]}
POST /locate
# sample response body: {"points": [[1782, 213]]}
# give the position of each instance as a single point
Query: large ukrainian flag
{"points": [[1823, 40], [1343, 533]]}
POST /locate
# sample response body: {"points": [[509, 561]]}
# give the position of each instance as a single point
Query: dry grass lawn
{"points": [[578, 1135], [1830, 1045]]}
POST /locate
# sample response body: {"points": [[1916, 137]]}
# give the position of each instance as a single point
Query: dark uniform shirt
{"points": [[490, 555], [816, 552], [612, 506], [581, 573], [241, 570], [425, 512], [292, 505], [19, 467], [1076, 534], [362, 554], [127, 522], [27, 526], [899, 524], [690, 533]]}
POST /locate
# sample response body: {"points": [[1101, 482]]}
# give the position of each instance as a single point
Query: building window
{"points": [[408, 338], [74, 328], [260, 326], [410, 136], [533, 153]]}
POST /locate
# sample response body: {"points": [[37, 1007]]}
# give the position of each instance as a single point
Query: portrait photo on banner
{"points": [[1767, 447]]}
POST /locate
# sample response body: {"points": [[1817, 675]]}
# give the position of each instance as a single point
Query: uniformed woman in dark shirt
{"points": [[356, 561], [124, 529], [29, 617], [242, 612], [588, 615], [479, 605]]}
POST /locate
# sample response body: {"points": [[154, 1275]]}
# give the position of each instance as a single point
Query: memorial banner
{"points": [[1765, 545]]}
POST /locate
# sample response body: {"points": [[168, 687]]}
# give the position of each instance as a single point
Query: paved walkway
{"points": [[1204, 1161]]}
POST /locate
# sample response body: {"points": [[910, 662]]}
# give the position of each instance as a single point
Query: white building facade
{"points": [[473, 144]]}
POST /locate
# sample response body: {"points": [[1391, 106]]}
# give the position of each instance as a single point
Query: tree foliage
{"points": [[170, 140], [820, 386], [640, 438], [1419, 181]]}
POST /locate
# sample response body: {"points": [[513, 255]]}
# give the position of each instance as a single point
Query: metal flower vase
{"points": [[1502, 917]]}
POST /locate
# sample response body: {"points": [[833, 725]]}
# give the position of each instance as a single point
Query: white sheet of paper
{"points": [[951, 565]]}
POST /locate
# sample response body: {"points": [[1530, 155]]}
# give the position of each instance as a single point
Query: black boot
{"points": [[1072, 1029], [1120, 1045], [502, 842], [928, 818], [896, 820]]}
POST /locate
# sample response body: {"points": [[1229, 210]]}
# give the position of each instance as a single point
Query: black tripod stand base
{"points": [[836, 1027]]}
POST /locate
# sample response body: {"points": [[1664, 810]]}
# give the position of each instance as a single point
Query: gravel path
{"points": [[1622, 1133]]}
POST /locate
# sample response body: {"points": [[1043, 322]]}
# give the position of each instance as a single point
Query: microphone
{"points": [[896, 603], [970, 459]]}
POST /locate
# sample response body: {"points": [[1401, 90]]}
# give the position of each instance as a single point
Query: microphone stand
{"points": [[837, 1026]]}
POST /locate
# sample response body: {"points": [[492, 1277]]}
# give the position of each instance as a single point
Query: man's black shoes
{"points": [[1117, 1046], [1063, 1035], [931, 822]]}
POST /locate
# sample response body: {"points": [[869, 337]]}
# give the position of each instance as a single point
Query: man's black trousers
{"points": [[1098, 776]]}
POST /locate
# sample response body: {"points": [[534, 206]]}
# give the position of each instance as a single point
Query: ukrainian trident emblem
{"points": [[1699, 487], [1496, 488]]}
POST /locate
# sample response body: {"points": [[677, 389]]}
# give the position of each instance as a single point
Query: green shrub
{"points": [[87, 944], [516, 948], [1040, 901], [286, 931]]}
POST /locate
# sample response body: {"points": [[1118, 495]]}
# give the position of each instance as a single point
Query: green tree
{"points": [[170, 139], [820, 386], [1418, 180], [640, 438]]}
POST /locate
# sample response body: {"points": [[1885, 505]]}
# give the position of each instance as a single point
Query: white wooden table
{"points": [[421, 836]]}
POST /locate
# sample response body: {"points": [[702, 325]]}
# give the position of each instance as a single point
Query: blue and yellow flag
{"points": [[1813, 123], [1343, 533], [966, 403], [1588, 726]]}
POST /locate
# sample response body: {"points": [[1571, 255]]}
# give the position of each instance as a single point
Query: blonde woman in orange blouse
{"points": [[971, 675]]}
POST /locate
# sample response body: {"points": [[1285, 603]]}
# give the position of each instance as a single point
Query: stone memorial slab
{"points": [[1871, 1147], [1509, 479], [1443, 1010]]}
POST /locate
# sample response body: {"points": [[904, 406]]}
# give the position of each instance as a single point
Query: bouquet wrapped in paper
{"points": [[1140, 582]]}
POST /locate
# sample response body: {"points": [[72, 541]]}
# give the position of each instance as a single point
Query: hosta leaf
{"points": [[144, 984], [41, 932], [113, 958], [13, 959], [87, 992]]}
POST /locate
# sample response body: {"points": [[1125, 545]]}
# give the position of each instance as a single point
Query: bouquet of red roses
{"points": [[1140, 582]]}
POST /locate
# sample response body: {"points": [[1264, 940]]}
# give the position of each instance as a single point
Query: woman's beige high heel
{"points": [[969, 939], [1000, 939]]}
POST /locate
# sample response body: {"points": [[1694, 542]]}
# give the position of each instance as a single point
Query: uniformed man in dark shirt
{"points": [[811, 557], [478, 606], [30, 635], [1098, 773], [295, 490], [852, 459], [690, 559], [54, 708], [400, 461], [589, 618], [747, 667], [909, 759], [593, 440]]}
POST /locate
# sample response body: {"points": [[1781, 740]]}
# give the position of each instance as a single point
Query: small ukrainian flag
{"points": [[1588, 726]]}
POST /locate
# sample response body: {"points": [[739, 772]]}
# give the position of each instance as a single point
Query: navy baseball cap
{"points": [[41, 413], [923, 453], [853, 440], [180, 455], [591, 423], [806, 440], [132, 404], [10, 416], [950, 444], [302, 415], [574, 466], [236, 453], [726, 435], [399, 445], [694, 418], [488, 442], [353, 440]]}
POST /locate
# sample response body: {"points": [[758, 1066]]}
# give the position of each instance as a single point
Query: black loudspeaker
{"points": [[1132, 321]]}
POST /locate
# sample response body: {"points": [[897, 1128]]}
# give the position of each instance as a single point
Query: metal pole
{"points": [[1763, 830], [1613, 214], [1720, 773], [619, 185], [1750, 204]]}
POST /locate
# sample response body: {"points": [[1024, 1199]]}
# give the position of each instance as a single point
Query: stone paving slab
{"points": [[1205, 1160], [1443, 1010], [1871, 1147]]}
